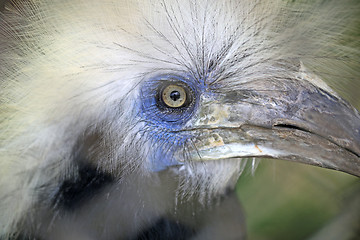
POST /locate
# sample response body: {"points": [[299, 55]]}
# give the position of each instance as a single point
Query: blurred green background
{"points": [[285, 200]]}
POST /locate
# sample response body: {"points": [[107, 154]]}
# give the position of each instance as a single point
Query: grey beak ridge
{"points": [[301, 123]]}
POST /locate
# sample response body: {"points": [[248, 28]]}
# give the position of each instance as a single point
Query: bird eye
{"points": [[174, 96], [169, 99]]}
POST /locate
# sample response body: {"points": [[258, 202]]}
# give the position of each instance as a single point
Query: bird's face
{"points": [[225, 92]]}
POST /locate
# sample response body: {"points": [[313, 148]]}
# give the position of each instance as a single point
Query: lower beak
{"points": [[299, 122]]}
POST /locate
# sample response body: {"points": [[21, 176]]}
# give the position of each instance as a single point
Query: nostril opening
{"points": [[289, 126]]}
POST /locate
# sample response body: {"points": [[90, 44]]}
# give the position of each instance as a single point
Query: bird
{"points": [[127, 119]]}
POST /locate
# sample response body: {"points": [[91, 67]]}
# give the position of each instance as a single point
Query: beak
{"points": [[291, 120]]}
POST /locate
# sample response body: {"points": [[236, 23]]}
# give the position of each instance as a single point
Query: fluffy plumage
{"points": [[71, 75]]}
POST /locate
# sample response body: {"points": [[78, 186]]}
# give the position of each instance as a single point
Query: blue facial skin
{"points": [[162, 122]]}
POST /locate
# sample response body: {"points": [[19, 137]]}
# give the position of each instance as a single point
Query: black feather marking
{"points": [[74, 192], [165, 229]]}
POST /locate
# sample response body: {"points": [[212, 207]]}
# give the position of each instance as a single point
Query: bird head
{"points": [[190, 87], [200, 88]]}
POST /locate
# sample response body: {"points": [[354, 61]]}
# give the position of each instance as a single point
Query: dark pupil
{"points": [[175, 95]]}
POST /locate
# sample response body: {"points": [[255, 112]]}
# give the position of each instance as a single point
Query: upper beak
{"points": [[292, 120]]}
